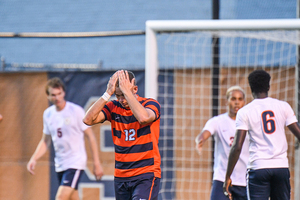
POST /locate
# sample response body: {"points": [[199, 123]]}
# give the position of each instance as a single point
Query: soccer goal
{"points": [[190, 65]]}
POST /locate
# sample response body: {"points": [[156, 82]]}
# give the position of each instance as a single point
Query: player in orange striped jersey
{"points": [[135, 130]]}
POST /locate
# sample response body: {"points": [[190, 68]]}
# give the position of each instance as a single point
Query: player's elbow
{"points": [[87, 121], [144, 120]]}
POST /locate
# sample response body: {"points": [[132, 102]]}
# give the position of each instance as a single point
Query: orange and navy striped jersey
{"points": [[136, 145]]}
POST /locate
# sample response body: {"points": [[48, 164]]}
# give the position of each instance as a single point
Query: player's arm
{"points": [[201, 139], [94, 115], [295, 129], [40, 150], [234, 155], [142, 114], [97, 167]]}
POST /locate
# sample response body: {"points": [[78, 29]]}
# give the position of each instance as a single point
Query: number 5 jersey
{"points": [[66, 130]]}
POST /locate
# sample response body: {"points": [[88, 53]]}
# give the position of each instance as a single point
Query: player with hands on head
{"points": [[264, 119], [135, 124], [62, 123], [222, 127]]}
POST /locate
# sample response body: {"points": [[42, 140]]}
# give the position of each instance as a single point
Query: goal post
{"points": [[178, 73]]}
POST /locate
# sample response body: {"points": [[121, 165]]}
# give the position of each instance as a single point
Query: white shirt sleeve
{"points": [[45, 125], [211, 125], [241, 120], [81, 114], [290, 115]]}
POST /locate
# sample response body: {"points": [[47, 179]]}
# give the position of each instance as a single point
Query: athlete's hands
{"points": [[98, 171], [199, 148], [226, 185], [31, 166], [111, 85], [124, 83]]}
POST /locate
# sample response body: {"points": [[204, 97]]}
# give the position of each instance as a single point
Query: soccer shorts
{"points": [[70, 177], [141, 189], [271, 182], [238, 192]]}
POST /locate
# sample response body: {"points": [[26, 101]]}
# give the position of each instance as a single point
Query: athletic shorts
{"points": [[238, 192], [70, 177], [271, 182], [141, 189]]}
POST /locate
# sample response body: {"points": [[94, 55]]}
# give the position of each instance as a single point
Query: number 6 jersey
{"points": [[265, 120]]}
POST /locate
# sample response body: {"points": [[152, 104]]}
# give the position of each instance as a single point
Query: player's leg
{"points": [[239, 192], [217, 191], [75, 195], [280, 184], [69, 181], [65, 193], [258, 184], [145, 189], [122, 192]]}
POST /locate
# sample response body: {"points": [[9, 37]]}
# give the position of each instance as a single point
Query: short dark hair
{"points": [[55, 83], [259, 81], [131, 76]]}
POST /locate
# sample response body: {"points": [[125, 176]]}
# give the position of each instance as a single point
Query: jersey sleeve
{"points": [[290, 115], [211, 125], [45, 125], [80, 115], [154, 106], [241, 120], [107, 110]]}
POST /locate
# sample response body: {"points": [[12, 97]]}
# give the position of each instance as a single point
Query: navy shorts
{"points": [[238, 192], [70, 177], [141, 189], [271, 182]]}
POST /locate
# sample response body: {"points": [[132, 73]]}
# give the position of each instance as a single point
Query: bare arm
{"points": [[142, 114], [201, 139], [295, 129], [98, 171], [94, 114], [40, 150], [234, 155]]}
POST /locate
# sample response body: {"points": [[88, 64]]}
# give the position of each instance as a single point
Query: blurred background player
{"points": [[135, 130], [265, 119], [1, 117], [63, 124], [222, 127]]}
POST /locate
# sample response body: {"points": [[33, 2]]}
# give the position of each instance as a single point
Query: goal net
{"points": [[189, 67]]}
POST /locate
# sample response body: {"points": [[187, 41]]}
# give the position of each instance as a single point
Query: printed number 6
{"points": [[59, 132], [268, 122]]}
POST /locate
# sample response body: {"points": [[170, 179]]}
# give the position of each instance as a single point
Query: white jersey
{"points": [[66, 130], [223, 129], [265, 120]]}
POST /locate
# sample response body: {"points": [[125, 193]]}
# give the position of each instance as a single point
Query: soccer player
{"points": [[63, 124], [264, 118], [222, 127], [135, 132], [1, 117]]}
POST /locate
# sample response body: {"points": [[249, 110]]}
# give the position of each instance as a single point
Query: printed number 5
{"points": [[268, 122], [59, 132], [129, 135]]}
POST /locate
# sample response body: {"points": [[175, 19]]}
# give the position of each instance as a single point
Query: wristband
{"points": [[106, 96]]}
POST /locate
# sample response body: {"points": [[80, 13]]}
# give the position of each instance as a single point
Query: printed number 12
{"points": [[129, 135]]}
